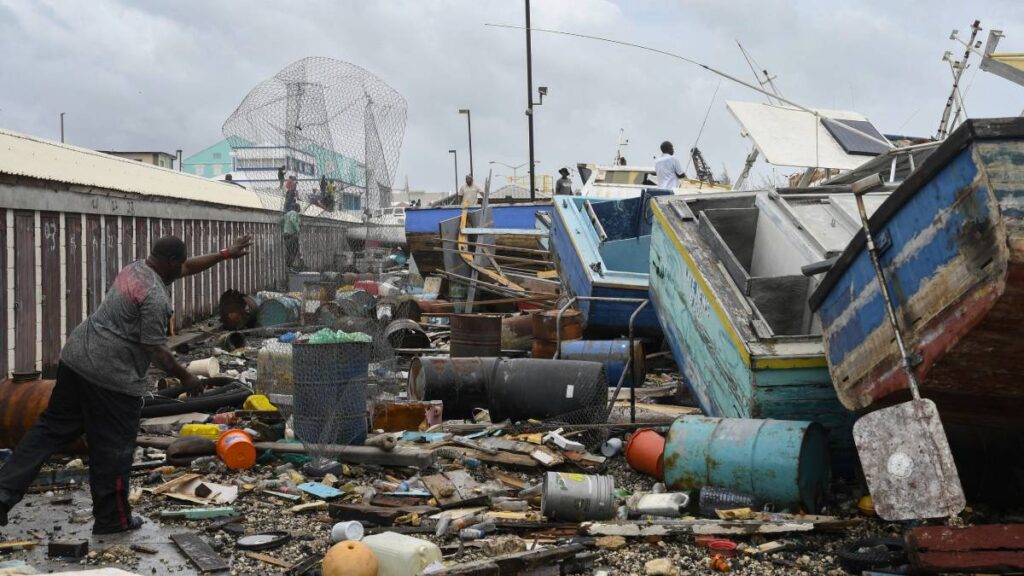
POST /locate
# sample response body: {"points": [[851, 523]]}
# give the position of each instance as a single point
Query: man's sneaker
{"points": [[133, 524]]}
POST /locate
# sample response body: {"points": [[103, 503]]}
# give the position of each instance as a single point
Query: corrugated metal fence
{"points": [[64, 246]]}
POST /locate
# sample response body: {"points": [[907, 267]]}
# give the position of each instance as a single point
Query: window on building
{"points": [[199, 170], [216, 155], [217, 170]]}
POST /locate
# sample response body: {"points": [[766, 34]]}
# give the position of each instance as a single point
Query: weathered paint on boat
{"points": [[732, 361], [615, 268], [954, 258]]}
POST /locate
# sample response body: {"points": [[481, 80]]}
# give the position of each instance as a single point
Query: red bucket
{"points": [[644, 453]]}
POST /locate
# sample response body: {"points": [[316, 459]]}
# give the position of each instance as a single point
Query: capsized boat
{"points": [[600, 248], [952, 249], [726, 281]]}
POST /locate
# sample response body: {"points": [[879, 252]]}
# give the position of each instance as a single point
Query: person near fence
{"points": [[101, 381], [290, 223]]}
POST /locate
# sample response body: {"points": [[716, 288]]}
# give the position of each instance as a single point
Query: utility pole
{"points": [[61, 127], [456, 153], [529, 102], [469, 128]]}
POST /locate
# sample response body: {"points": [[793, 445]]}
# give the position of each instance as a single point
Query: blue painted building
{"points": [[210, 162]]}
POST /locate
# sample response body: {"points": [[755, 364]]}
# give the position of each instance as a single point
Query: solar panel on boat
{"points": [[852, 142]]}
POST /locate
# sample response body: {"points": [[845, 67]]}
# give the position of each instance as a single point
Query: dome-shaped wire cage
{"points": [[322, 118]]}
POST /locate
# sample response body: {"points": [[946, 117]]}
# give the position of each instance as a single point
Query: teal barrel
{"points": [[613, 354], [278, 310], [782, 462]]}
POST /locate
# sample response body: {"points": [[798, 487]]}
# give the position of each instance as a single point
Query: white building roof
{"points": [[34, 157]]}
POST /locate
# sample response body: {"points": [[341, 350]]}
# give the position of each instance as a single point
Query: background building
{"points": [[209, 162], [161, 159]]}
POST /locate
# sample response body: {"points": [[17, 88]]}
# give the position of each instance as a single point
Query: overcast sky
{"points": [[163, 75]]}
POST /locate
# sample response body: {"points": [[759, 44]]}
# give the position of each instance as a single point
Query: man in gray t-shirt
{"points": [[101, 380]]}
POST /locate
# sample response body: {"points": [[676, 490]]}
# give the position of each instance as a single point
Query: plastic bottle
{"points": [[712, 499], [471, 534], [467, 521], [442, 524], [531, 490], [401, 555], [509, 505], [487, 525]]}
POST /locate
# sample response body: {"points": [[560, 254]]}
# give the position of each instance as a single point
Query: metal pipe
{"points": [[859, 189], [529, 103]]}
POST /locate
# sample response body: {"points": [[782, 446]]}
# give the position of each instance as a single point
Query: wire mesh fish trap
{"points": [[330, 396]]}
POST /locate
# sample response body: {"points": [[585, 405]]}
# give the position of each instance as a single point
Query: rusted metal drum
{"points": [[279, 310], [545, 331], [526, 388], [404, 333], [517, 332], [406, 308], [778, 461], [237, 310], [460, 383], [21, 403], [357, 303], [613, 354], [475, 335]]}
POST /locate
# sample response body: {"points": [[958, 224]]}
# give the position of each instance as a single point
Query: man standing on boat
{"points": [[469, 192], [563, 187], [667, 168]]}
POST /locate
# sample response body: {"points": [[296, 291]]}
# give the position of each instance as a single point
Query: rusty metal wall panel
{"points": [[93, 265], [73, 281], [127, 240], [4, 368], [111, 252], [195, 229], [141, 237], [178, 287], [24, 291], [49, 256]]}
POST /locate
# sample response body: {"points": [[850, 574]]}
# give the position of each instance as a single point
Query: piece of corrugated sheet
{"points": [[29, 156]]}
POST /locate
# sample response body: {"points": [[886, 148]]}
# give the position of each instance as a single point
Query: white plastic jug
{"points": [[401, 555]]}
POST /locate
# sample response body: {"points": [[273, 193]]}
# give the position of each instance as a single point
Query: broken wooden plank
{"points": [[376, 515], [269, 560], [987, 548], [172, 485], [308, 507], [199, 552], [454, 489]]}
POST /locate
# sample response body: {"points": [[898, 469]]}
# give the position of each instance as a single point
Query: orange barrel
{"points": [[236, 449], [21, 403], [644, 453], [545, 332]]}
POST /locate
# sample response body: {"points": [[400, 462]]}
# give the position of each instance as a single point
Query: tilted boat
{"points": [[600, 248], [952, 245], [727, 284]]}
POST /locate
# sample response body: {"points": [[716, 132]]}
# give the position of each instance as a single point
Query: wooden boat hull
{"points": [[575, 248], [727, 371], [953, 256], [422, 233]]}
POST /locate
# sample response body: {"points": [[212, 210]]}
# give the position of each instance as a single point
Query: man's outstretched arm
{"points": [[197, 264]]}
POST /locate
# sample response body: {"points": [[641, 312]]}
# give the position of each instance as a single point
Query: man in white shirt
{"points": [[469, 192], [667, 168]]}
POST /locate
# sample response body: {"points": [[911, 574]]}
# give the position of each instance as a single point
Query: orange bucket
{"points": [[644, 451], [236, 449]]}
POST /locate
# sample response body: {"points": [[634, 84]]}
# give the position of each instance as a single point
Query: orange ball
{"points": [[349, 558]]}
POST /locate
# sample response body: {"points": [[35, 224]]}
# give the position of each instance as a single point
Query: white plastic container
{"points": [[350, 530], [401, 555], [207, 367]]}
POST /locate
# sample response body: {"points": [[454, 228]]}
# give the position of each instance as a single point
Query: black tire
{"points": [[230, 394], [853, 560]]}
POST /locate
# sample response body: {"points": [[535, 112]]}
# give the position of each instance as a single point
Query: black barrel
{"points": [[573, 391], [460, 383]]}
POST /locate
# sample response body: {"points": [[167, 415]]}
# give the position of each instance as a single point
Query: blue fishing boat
{"points": [[728, 288], [600, 248], [951, 239]]}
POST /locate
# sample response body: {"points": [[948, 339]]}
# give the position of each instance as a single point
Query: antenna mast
{"points": [[619, 160], [958, 68]]}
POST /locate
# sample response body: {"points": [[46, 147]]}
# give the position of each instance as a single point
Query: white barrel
{"points": [[577, 497]]}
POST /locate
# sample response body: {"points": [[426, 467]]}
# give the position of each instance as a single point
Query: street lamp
{"points": [[469, 129], [515, 180], [62, 127], [456, 153]]}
